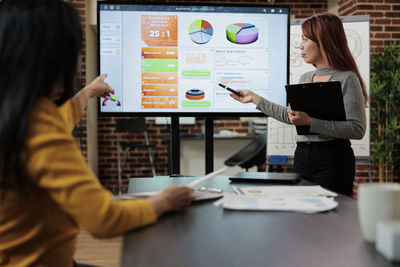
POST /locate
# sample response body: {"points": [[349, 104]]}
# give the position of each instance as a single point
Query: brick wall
{"points": [[304, 9], [80, 130], [138, 160], [384, 18]]}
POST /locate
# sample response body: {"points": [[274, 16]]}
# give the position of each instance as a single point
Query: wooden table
{"points": [[205, 235]]}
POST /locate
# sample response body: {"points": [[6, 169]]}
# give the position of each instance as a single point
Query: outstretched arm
{"points": [[72, 110], [96, 88], [269, 108]]}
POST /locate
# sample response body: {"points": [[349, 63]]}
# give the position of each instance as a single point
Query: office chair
{"points": [[137, 125], [251, 155]]}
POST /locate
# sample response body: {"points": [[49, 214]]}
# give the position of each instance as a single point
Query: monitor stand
{"points": [[174, 149], [209, 139]]}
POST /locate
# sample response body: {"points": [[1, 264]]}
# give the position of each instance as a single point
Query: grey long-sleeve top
{"points": [[352, 128]]}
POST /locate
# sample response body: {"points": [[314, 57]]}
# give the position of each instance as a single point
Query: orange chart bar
{"points": [[160, 90], [159, 53], [159, 102], [160, 77]]}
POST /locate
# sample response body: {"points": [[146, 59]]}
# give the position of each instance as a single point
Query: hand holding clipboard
{"points": [[320, 100]]}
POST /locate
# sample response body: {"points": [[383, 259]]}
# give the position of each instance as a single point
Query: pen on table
{"points": [[230, 89], [237, 190]]}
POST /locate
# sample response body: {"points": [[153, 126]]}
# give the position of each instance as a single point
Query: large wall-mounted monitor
{"points": [[168, 59]]}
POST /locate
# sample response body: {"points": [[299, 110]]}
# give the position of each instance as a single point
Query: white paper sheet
{"points": [[297, 204], [285, 191]]}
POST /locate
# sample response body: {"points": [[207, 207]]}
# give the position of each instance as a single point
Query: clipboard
{"points": [[320, 100]]}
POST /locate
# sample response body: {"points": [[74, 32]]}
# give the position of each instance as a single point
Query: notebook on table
{"points": [[202, 193], [320, 100]]}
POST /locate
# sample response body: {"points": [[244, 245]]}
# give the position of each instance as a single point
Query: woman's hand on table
{"points": [[174, 198]]}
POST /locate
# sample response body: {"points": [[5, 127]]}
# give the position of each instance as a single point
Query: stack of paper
{"points": [[305, 199]]}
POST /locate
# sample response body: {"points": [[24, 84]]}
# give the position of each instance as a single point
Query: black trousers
{"points": [[330, 164]]}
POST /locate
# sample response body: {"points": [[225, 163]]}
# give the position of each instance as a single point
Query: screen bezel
{"points": [[186, 114]]}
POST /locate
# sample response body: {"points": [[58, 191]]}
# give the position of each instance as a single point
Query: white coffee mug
{"points": [[377, 202]]}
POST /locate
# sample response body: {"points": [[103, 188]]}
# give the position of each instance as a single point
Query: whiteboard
{"points": [[282, 137]]}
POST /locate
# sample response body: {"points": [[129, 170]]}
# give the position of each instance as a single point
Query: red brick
{"points": [[319, 11], [79, 6], [363, 174], [359, 13], [365, 7], [376, 42], [376, 28], [392, 14], [392, 28], [296, 6], [232, 124], [382, 21], [361, 168], [376, 14], [382, 7], [360, 1], [389, 42], [315, 6]]}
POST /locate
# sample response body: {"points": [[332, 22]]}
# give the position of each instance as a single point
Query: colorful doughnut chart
{"points": [[195, 94], [241, 33], [113, 99], [200, 31]]}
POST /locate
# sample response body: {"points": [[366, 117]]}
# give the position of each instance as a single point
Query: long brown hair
{"points": [[326, 30]]}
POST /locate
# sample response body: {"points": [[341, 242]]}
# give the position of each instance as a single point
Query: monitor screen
{"points": [[169, 59]]}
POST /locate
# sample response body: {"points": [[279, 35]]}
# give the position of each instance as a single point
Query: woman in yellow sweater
{"points": [[46, 188]]}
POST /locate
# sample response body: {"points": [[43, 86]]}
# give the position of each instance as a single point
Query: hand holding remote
{"points": [[230, 90]]}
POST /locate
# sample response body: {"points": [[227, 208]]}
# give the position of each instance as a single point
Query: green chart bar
{"points": [[160, 65]]}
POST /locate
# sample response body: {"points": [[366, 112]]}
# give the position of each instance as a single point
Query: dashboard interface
{"points": [[171, 59]]}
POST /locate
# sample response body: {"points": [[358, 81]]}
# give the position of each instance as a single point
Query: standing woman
{"points": [[47, 191], [325, 158]]}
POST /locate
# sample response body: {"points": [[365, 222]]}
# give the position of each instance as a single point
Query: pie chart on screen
{"points": [[200, 31], [242, 33]]}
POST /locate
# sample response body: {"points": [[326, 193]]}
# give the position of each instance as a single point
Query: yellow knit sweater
{"points": [[41, 229]]}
